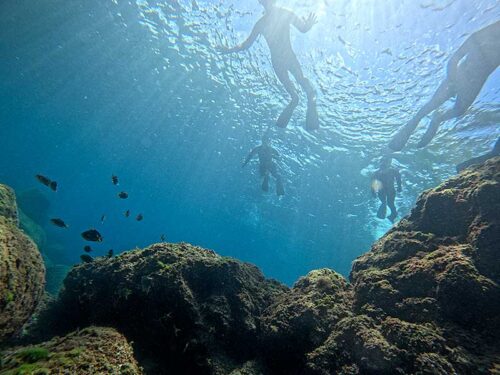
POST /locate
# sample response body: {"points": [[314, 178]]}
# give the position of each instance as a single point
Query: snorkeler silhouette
{"points": [[267, 155], [383, 186], [480, 159], [275, 26], [468, 69]]}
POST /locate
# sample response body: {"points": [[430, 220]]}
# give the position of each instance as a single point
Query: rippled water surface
{"points": [[137, 88]]}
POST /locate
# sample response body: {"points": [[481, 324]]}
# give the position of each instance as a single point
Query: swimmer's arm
{"points": [[304, 24], [247, 43], [250, 156]]}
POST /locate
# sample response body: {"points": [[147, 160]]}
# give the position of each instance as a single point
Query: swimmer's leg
{"points": [[287, 113], [468, 90], [382, 211], [280, 190], [391, 196], [312, 120], [265, 182], [443, 93]]}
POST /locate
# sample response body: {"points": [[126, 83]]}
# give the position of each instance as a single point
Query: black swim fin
{"points": [[280, 190], [312, 120]]}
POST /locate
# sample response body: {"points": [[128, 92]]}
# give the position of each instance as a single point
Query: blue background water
{"points": [[136, 88]]}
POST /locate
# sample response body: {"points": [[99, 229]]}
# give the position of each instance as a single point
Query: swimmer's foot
{"points": [[280, 190], [429, 134], [399, 141], [312, 120], [286, 115], [392, 216], [382, 212], [265, 184]]}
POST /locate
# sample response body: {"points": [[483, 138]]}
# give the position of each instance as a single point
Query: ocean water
{"points": [[137, 88]]}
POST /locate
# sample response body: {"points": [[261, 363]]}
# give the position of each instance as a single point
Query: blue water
{"points": [[136, 88]]}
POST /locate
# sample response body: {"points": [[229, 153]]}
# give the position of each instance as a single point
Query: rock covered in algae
{"points": [[302, 319], [22, 272], [92, 351], [426, 297], [201, 307], [8, 206]]}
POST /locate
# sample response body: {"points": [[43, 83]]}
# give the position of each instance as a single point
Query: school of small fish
{"points": [[92, 234]]}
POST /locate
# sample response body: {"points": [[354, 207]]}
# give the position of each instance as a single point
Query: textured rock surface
{"points": [[302, 319], [427, 297], [8, 206], [193, 310], [22, 273], [92, 351]]}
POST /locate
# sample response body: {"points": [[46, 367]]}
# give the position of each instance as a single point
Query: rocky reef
{"points": [[22, 272], [187, 308], [90, 351], [424, 300]]}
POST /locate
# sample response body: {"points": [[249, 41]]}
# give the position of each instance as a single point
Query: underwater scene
{"points": [[249, 187]]}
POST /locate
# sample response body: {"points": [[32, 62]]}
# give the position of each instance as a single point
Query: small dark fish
{"points": [[86, 258], [47, 182], [139, 217], [123, 195], [163, 238], [110, 253], [92, 235], [103, 219], [59, 223], [87, 249], [127, 213], [115, 180]]}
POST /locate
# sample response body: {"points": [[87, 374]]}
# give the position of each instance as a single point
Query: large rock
{"points": [[426, 297], [192, 310], [8, 205], [302, 319], [22, 273], [92, 351]]}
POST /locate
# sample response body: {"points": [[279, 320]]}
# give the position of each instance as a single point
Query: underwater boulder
{"points": [[87, 352], [22, 272], [301, 320], [437, 272], [8, 205], [189, 309]]}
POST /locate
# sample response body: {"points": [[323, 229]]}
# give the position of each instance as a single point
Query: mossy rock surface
{"points": [[92, 351], [22, 272], [8, 206], [203, 308]]}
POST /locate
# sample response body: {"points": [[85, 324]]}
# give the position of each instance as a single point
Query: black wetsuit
{"points": [[267, 166], [387, 192]]}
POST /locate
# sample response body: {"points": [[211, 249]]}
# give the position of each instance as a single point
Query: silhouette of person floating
{"points": [[275, 26], [383, 186], [480, 159], [468, 70], [267, 166]]}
